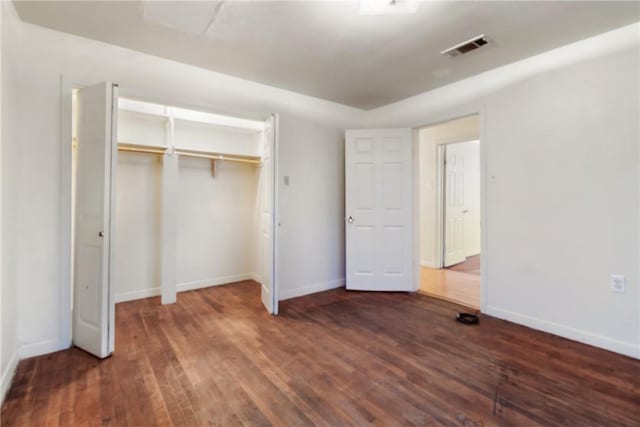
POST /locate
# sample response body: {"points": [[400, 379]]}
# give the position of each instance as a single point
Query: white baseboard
{"points": [[256, 277], [39, 348], [310, 289], [134, 295], [186, 286], [628, 349], [428, 264], [7, 376], [222, 280]]}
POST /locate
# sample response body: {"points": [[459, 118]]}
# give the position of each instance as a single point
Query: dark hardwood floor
{"points": [[335, 358]]}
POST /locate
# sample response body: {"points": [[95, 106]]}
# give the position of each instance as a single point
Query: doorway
{"points": [[450, 211]]}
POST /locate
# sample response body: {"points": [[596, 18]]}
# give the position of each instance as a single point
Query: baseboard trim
{"points": [[568, 332], [39, 348], [222, 280], [311, 289], [186, 286], [134, 295], [428, 264], [7, 376], [256, 277]]}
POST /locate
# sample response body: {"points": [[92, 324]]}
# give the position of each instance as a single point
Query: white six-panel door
{"points": [[454, 206], [379, 210], [268, 215], [93, 308]]}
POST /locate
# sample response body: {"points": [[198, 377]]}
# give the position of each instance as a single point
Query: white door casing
{"points": [[268, 214], [454, 207], [379, 210], [94, 309]]}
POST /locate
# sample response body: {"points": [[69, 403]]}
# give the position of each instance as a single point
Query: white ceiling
{"points": [[326, 49]]}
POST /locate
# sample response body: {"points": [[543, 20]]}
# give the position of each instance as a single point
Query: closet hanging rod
{"points": [[218, 157], [140, 149]]}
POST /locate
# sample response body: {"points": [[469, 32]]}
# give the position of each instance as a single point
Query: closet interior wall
{"points": [[217, 204]]}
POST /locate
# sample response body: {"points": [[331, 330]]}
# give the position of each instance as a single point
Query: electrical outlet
{"points": [[618, 283]]}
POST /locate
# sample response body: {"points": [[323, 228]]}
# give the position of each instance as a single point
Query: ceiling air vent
{"points": [[466, 46]]}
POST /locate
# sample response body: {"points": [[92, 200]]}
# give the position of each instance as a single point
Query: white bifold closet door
{"points": [[94, 309], [379, 210], [268, 215]]}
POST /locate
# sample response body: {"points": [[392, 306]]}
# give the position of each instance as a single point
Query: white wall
{"points": [[310, 128], [8, 188], [137, 226], [463, 129], [311, 207], [560, 137], [141, 129], [215, 223], [206, 137], [428, 183]]}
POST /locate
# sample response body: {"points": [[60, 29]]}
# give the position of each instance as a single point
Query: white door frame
{"points": [[484, 236], [67, 84]]}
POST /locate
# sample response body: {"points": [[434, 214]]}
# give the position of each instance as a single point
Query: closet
{"points": [[190, 191], [162, 200]]}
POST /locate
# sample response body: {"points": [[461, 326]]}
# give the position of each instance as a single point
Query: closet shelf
{"points": [[170, 113], [219, 156]]}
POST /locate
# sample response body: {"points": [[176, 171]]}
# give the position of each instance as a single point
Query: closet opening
{"points": [[188, 199]]}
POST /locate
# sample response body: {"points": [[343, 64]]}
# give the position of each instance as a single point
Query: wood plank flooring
{"points": [[470, 266], [331, 359], [452, 286]]}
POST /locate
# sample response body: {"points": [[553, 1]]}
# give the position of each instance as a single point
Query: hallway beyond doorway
{"points": [[458, 284], [470, 266]]}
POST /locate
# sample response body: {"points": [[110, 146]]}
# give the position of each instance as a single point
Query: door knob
{"points": [[101, 233], [350, 219]]}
